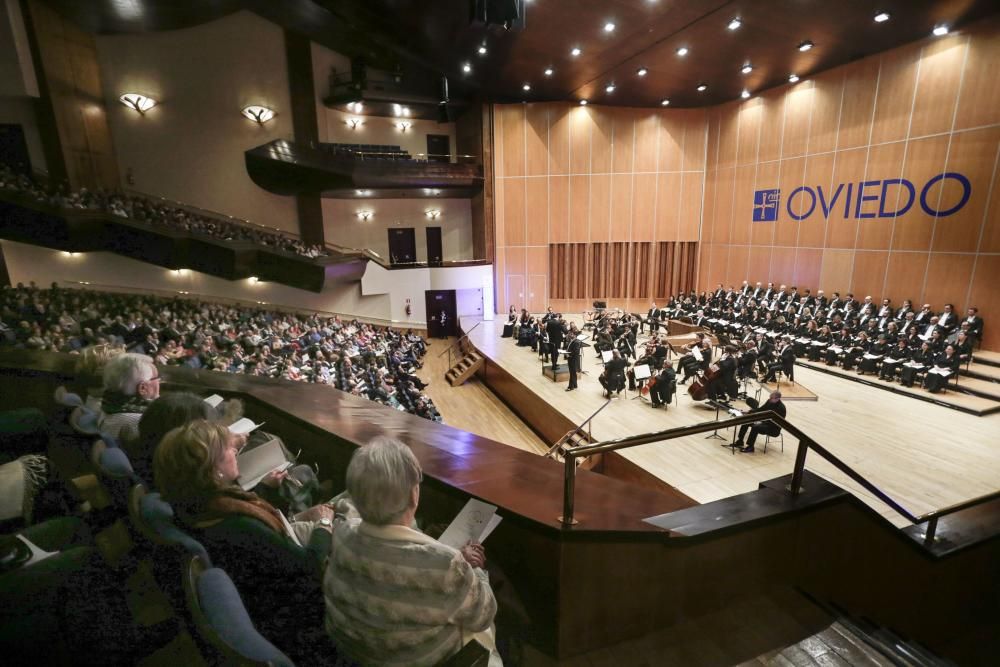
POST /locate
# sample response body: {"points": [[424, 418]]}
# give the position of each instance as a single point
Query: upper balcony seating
{"points": [[367, 151]]}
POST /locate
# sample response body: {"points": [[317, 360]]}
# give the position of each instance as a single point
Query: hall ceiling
{"points": [[435, 37]]}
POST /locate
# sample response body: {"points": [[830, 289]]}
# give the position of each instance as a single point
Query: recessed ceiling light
{"points": [[664, 103], [793, 78], [747, 68], [610, 88], [805, 46], [526, 87], [609, 27], [482, 50], [940, 30], [642, 71], [583, 103], [683, 51], [881, 17], [575, 51], [466, 68], [702, 88], [735, 23], [745, 94], [548, 71]]}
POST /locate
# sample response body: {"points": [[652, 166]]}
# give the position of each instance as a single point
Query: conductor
{"points": [[554, 328], [773, 404]]}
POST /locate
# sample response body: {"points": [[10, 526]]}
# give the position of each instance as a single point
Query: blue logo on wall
{"points": [[765, 205]]}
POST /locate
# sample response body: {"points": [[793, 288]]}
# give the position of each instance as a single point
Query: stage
{"points": [[923, 455]]}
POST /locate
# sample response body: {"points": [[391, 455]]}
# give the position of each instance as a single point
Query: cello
{"points": [[699, 385]]}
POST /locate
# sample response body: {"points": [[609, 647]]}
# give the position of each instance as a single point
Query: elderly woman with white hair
{"points": [[393, 594], [131, 383]]}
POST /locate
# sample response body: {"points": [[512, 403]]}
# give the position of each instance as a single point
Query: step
{"points": [[977, 387], [986, 357], [982, 371]]}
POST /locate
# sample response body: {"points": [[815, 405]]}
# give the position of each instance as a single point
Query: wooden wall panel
{"points": [[991, 233], [647, 127], [512, 140], [868, 276], [884, 162], [559, 139], [818, 174], [749, 134], [558, 209], [782, 268], [848, 169], [580, 128], [600, 207], [643, 206], [694, 140], [725, 186], [904, 277], [896, 82], [743, 229], [517, 260], [621, 207], [689, 225], [925, 158], [792, 175], [719, 261], [808, 262], [537, 211], [973, 154], [670, 142], [499, 227], [714, 122], [513, 211], [708, 205], [798, 112], [947, 281], [536, 139], [537, 297], [860, 87], [827, 97], [668, 206], [937, 86], [728, 135], [624, 153], [979, 100], [537, 260], [835, 274], [736, 269], [500, 266], [515, 291], [984, 295], [759, 262], [772, 120], [600, 140], [579, 209]]}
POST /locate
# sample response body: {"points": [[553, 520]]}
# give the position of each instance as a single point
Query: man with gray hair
{"points": [[131, 383], [394, 595]]}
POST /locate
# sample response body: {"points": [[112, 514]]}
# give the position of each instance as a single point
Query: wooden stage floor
{"points": [[925, 456]]}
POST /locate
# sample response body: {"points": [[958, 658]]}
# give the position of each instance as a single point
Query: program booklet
{"points": [[258, 462], [473, 524]]}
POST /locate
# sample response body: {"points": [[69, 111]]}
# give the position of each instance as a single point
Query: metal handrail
{"points": [[464, 336], [805, 443], [587, 421]]}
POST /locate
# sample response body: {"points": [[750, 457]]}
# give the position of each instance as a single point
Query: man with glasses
{"points": [[131, 383]]}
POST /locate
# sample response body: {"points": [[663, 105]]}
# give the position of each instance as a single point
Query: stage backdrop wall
{"points": [[836, 182], [595, 203]]}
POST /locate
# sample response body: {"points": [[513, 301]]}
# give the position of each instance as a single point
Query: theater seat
{"points": [[153, 518], [224, 630]]}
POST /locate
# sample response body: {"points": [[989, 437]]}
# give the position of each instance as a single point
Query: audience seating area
{"points": [[364, 360], [149, 211], [368, 151]]}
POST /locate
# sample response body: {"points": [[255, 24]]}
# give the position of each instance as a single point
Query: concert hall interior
{"points": [[483, 332]]}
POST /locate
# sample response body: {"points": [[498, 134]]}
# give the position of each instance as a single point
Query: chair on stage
{"points": [[780, 436]]}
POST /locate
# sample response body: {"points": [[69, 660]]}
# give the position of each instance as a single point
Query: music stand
{"points": [[606, 356], [641, 373], [582, 338], [715, 434]]}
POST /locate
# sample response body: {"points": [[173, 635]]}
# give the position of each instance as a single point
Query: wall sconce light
{"points": [[253, 280], [355, 123], [364, 216], [363, 193], [180, 272], [356, 107], [257, 113], [137, 102], [404, 125], [66, 253], [433, 213]]}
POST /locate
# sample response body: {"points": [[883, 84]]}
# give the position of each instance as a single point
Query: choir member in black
{"points": [[820, 343], [652, 319], [975, 323], [937, 340], [773, 404], [873, 356], [963, 347], [725, 378], [856, 351], [554, 329], [948, 320], [893, 360], [613, 377], [891, 333], [573, 359], [666, 384], [765, 348], [800, 332], [945, 365], [921, 360], [785, 361]]}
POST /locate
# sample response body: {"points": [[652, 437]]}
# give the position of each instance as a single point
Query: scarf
{"points": [[235, 502], [115, 402]]}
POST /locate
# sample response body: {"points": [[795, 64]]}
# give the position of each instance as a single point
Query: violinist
{"points": [[604, 340], [694, 359], [613, 377], [784, 363], [746, 361]]}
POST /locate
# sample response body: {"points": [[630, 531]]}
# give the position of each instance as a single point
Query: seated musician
{"points": [[785, 361], [773, 404], [945, 365], [893, 360], [724, 383], [604, 340], [693, 358], [648, 358], [662, 391], [613, 377], [747, 361], [652, 319], [528, 334], [920, 361]]}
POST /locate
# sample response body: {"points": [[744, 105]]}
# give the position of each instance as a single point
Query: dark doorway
{"points": [[434, 246], [438, 148], [402, 246], [14, 149], [441, 312]]}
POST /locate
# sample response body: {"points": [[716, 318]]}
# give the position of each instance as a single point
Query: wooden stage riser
{"points": [[543, 418]]}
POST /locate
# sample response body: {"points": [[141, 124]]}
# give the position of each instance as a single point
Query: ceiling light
{"points": [[881, 17], [642, 71], [747, 68], [583, 103], [482, 50], [610, 88], [664, 103], [405, 111], [356, 107], [137, 102], [526, 87], [940, 30], [363, 193], [735, 23], [548, 71], [683, 51], [805, 46], [702, 88], [793, 78], [609, 27], [575, 51], [466, 68], [745, 94], [257, 113]]}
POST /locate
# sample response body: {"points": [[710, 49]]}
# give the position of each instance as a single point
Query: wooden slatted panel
{"points": [[568, 270]]}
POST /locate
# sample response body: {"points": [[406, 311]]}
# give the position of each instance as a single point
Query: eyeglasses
{"points": [[154, 378]]}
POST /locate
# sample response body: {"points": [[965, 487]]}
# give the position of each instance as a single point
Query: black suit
{"points": [[653, 320], [976, 328], [574, 361], [613, 378], [767, 428], [554, 328]]}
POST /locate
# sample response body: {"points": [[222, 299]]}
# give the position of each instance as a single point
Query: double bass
{"points": [[699, 385]]}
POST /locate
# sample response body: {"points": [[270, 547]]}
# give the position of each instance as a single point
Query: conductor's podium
{"points": [[561, 374]]}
